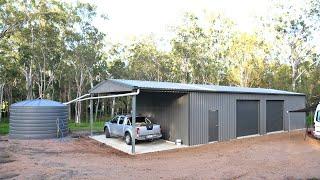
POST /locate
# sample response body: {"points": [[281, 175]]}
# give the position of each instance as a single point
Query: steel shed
{"points": [[185, 111]]}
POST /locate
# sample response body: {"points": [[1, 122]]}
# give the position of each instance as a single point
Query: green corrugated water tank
{"points": [[38, 119]]}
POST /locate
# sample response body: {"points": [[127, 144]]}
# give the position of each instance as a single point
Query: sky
{"points": [[129, 18]]}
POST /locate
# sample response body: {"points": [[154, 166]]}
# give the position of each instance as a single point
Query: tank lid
{"points": [[37, 102]]}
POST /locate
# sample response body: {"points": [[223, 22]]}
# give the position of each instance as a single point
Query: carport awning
{"points": [[307, 109], [108, 86]]}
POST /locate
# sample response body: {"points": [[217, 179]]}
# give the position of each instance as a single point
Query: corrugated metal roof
{"points": [[154, 85], [37, 102]]}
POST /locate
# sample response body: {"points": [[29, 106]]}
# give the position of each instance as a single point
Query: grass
{"points": [[309, 120], [4, 126], [85, 126]]}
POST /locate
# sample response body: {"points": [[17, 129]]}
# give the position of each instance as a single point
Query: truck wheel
{"points": [[107, 133], [128, 139]]}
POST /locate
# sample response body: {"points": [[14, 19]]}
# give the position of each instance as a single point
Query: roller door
{"points": [[247, 117]]}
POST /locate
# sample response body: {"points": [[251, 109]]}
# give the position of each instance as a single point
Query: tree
{"points": [[200, 51], [144, 60], [11, 18], [293, 32], [247, 61], [117, 67], [39, 42], [84, 49]]}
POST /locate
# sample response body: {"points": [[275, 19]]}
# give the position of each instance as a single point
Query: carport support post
{"points": [[289, 122], [133, 144], [91, 115]]}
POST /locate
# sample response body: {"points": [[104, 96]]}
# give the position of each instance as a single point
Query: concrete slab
{"points": [[141, 147]]}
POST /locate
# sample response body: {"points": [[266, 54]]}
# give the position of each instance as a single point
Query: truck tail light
{"points": [[138, 131]]}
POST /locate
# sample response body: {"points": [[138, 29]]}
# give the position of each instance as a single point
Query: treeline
{"points": [[51, 49]]}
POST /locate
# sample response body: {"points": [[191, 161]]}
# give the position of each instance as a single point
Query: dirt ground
{"points": [[276, 156]]}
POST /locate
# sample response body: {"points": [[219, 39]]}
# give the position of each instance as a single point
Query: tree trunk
{"points": [[127, 104], [79, 84], [112, 106], [86, 110], [1, 99], [294, 74], [97, 107], [293, 77], [28, 71], [102, 108], [28, 76], [69, 99], [78, 109]]}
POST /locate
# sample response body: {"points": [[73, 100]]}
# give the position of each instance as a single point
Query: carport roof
{"points": [[122, 85]]}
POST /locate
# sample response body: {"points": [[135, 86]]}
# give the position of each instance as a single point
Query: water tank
{"points": [[38, 119]]}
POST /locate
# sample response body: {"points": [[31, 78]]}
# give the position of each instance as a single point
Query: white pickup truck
{"points": [[316, 121], [120, 126]]}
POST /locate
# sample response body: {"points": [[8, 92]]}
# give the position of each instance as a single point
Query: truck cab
{"points": [[316, 121]]}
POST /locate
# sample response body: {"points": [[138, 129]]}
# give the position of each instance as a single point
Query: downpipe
{"points": [[79, 99], [112, 96], [66, 103]]}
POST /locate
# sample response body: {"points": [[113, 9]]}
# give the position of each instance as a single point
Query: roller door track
{"points": [[274, 111], [247, 117]]}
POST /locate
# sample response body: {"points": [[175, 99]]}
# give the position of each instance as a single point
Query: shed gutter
{"points": [[112, 96]]}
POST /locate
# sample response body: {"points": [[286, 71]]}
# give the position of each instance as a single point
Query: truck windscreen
{"points": [[139, 119]]}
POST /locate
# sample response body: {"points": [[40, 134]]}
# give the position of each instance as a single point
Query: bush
{"points": [[4, 126], [309, 120]]}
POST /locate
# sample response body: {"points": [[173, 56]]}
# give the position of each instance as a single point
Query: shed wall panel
{"points": [[170, 110], [225, 103]]}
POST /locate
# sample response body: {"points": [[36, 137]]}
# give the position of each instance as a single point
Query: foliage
{"points": [[309, 120], [247, 65], [52, 49], [4, 126]]}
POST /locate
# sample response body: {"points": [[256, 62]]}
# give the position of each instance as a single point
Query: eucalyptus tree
{"points": [[117, 64], [294, 32], [11, 17], [199, 48], [144, 60], [38, 42], [187, 45], [247, 60], [84, 45]]}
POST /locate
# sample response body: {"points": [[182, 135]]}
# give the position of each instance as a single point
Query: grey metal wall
{"points": [[225, 103], [168, 109], [37, 122]]}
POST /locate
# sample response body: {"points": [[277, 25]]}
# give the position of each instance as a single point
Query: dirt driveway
{"points": [[265, 157]]}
